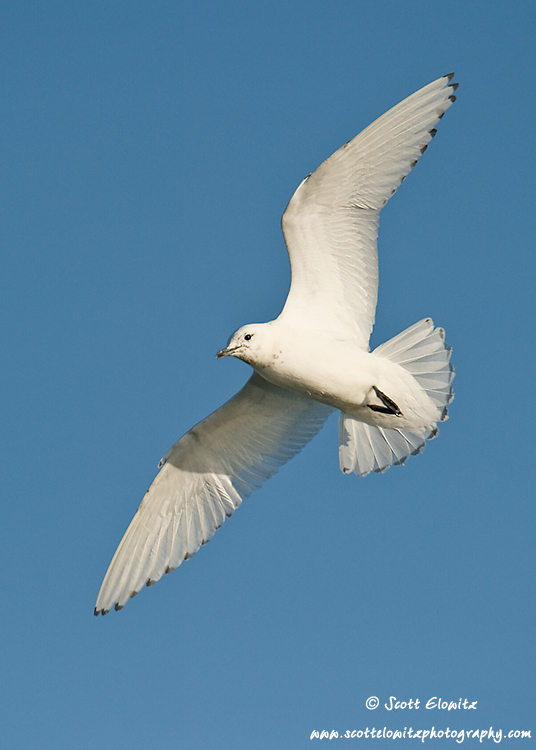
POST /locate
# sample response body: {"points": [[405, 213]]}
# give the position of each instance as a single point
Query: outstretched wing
{"points": [[331, 222], [204, 478]]}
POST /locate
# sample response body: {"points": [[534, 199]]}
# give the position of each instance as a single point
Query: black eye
{"points": [[248, 336]]}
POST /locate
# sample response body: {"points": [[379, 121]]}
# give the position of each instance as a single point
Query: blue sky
{"points": [[147, 153]]}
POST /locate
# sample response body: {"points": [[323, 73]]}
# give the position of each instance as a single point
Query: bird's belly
{"points": [[370, 388], [339, 381]]}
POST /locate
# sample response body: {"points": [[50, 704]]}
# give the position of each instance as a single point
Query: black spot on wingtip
{"points": [[450, 76], [433, 132], [413, 163], [381, 469], [405, 175], [96, 612], [452, 98], [454, 86], [118, 607], [187, 556], [423, 148], [149, 583]]}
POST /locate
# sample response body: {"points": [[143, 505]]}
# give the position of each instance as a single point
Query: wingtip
{"points": [[452, 86]]}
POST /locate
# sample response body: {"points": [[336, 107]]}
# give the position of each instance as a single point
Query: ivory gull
{"points": [[312, 359]]}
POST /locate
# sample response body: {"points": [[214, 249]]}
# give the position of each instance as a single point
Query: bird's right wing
{"points": [[204, 478], [331, 222]]}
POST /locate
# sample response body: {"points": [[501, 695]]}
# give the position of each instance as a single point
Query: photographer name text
{"points": [[444, 705]]}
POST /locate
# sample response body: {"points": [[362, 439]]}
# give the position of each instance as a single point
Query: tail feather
{"points": [[364, 448], [421, 350]]}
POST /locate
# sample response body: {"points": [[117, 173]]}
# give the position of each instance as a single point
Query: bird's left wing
{"points": [[331, 222], [204, 478]]}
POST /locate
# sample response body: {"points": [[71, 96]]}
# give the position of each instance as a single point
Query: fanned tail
{"points": [[422, 351]]}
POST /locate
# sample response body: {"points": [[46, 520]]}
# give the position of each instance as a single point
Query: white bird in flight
{"points": [[312, 359]]}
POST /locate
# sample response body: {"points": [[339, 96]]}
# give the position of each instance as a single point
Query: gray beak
{"points": [[225, 352]]}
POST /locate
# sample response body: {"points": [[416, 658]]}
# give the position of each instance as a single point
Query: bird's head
{"points": [[251, 343]]}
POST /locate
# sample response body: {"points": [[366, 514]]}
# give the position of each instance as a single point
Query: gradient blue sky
{"points": [[148, 150]]}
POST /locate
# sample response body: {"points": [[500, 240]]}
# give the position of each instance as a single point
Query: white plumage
{"points": [[312, 359]]}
